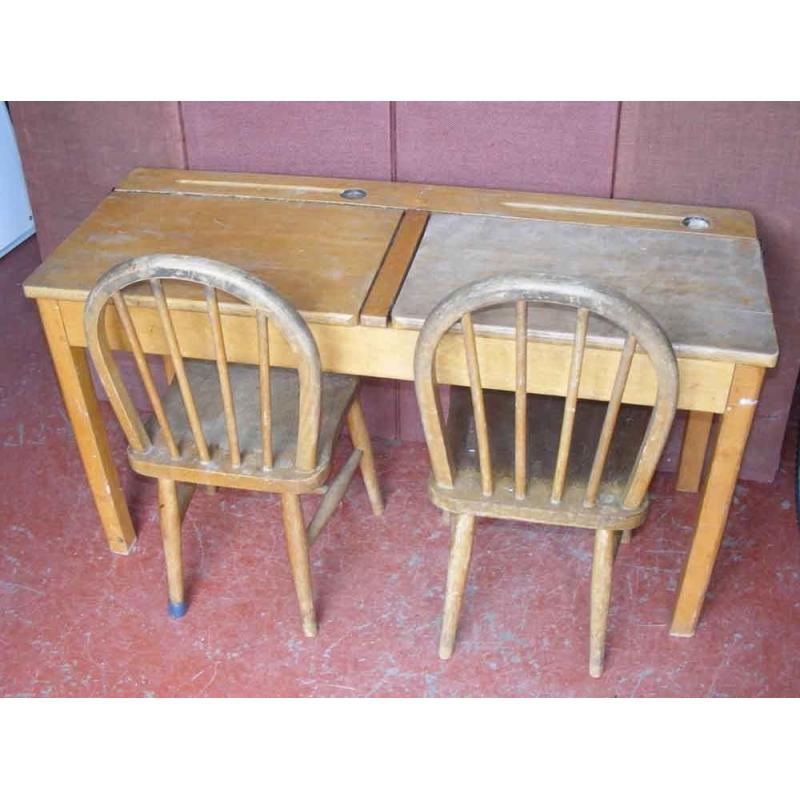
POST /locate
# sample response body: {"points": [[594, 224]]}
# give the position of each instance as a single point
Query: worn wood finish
{"points": [[324, 257], [119, 395], [224, 377], [716, 499], [602, 565], [389, 353], [570, 405], [463, 526], [426, 197], [598, 474], [171, 515], [378, 305], [333, 495], [693, 450], [302, 237], [708, 294], [297, 549], [220, 424], [520, 402], [77, 391], [610, 421], [357, 425]]}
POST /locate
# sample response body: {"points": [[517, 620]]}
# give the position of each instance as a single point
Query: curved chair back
{"points": [[268, 307], [639, 327]]}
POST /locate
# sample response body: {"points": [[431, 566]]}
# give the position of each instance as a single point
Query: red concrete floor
{"points": [[77, 620]]}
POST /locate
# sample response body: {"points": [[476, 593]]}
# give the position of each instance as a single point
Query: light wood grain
{"points": [[171, 515], [463, 526], [570, 405], [463, 200], [323, 258], [693, 450], [598, 474], [77, 391], [716, 499], [209, 425], [389, 353], [378, 305], [709, 295], [297, 549], [602, 565]]}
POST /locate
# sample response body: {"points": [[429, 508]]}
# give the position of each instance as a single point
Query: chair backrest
{"points": [[268, 307], [587, 298]]}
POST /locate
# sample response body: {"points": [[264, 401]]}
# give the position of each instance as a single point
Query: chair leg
{"points": [[626, 536], [463, 526], [360, 435], [297, 548], [600, 597], [170, 513]]}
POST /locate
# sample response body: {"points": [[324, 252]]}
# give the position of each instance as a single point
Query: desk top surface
{"points": [[331, 253], [707, 292]]}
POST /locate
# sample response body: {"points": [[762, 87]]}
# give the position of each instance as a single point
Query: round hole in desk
{"points": [[695, 223], [353, 194]]}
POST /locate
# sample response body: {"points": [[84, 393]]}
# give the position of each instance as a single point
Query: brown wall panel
{"points": [[741, 155], [75, 153], [340, 140]]}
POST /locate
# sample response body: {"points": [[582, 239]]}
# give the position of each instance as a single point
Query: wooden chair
{"points": [[256, 427], [542, 459]]}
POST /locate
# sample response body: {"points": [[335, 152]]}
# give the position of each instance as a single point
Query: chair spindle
{"points": [[144, 372], [224, 377], [570, 405], [610, 421], [180, 370], [521, 402], [476, 390], [264, 386]]}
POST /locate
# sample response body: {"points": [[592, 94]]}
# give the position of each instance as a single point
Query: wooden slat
{"points": [[570, 404], [180, 370], [265, 389], [520, 402], [481, 429], [393, 270], [610, 421], [145, 374], [224, 377]]}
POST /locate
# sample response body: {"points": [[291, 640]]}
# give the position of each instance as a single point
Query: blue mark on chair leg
{"points": [[176, 610]]}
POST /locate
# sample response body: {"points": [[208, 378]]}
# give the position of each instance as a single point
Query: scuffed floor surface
{"points": [[77, 620]]}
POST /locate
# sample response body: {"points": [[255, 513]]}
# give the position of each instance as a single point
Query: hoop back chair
{"points": [[255, 427], [537, 458]]}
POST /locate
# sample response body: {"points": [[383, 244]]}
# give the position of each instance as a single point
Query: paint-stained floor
{"points": [[77, 620]]}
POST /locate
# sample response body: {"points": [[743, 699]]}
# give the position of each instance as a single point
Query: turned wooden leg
{"points": [[693, 450], [600, 596], [460, 550], [360, 435], [297, 548], [170, 512], [626, 536]]}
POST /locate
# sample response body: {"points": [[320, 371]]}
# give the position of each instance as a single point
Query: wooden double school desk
{"points": [[365, 262]]}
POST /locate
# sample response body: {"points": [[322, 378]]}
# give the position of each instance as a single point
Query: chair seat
{"points": [[544, 418], [337, 394]]}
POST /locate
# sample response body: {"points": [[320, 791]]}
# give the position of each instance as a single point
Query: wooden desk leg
{"points": [[716, 498], [72, 370], [693, 450]]}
